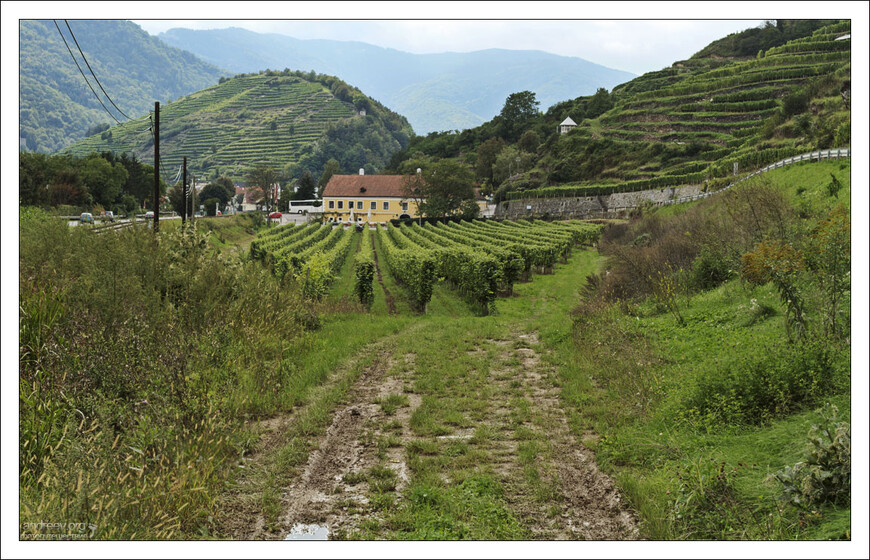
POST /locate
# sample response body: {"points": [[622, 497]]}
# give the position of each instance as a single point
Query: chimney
{"points": [[362, 171]]}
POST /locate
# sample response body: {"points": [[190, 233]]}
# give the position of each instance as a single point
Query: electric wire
{"points": [[92, 70], [83, 74]]}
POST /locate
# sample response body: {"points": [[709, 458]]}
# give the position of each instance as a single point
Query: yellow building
{"points": [[366, 199]]}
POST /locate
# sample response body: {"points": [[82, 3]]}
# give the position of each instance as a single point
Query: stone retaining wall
{"points": [[614, 205]]}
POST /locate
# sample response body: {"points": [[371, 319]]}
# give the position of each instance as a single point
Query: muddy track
{"points": [[573, 499], [550, 480], [325, 491]]}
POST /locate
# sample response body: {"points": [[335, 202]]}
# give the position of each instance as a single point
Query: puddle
{"points": [[303, 532], [462, 434]]}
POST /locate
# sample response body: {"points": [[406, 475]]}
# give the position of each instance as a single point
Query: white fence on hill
{"points": [[812, 156]]}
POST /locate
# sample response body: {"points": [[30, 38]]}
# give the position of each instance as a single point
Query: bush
{"points": [[768, 385], [825, 474], [710, 269]]}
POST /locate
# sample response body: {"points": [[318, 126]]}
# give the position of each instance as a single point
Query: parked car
{"points": [[109, 216], [149, 214], [86, 218], [275, 215]]}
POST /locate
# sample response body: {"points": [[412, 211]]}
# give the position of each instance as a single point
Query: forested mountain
{"points": [[446, 91], [291, 121], [56, 105]]}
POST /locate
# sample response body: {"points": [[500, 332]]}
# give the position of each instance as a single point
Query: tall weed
{"points": [[140, 356]]}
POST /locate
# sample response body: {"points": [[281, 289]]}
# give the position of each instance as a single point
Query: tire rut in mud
{"points": [[551, 481]]}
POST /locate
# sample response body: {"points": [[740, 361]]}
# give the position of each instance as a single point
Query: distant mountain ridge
{"points": [[136, 69], [443, 91]]}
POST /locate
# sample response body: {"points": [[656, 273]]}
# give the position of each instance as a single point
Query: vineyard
{"points": [[698, 117], [480, 260], [263, 119]]}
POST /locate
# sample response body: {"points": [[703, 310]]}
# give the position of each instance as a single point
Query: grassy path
{"points": [[450, 426]]}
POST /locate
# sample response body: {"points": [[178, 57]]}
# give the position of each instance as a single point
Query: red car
{"points": [[275, 215]]}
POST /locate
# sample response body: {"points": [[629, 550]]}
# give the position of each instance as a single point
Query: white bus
{"points": [[305, 206]]}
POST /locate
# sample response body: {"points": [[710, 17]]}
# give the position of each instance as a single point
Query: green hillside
{"points": [[289, 122], [56, 105], [685, 124]]}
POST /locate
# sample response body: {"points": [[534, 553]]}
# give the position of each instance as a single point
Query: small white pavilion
{"points": [[566, 125]]}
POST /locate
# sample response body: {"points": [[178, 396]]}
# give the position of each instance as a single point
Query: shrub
{"points": [[779, 263], [710, 269], [764, 386], [825, 474]]}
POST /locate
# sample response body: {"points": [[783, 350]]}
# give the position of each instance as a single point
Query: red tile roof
{"points": [[365, 186]]}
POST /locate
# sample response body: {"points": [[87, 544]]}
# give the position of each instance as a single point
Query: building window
{"points": [[340, 204], [359, 204], [373, 206], [331, 204], [350, 205], [405, 206], [386, 205]]}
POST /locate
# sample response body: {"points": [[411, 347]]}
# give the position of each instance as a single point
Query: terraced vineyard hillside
{"points": [[691, 122], [268, 118]]}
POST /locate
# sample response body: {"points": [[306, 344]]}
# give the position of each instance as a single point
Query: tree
{"points": [[441, 189], [227, 184], [519, 109], [175, 196], [102, 179], [361, 103], [66, 188], [486, 155], [306, 188], [264, 178], [469, 210], [32, 179], [529, 141], [211, 206], [508, 163], [598, 104], [331, 168], [213, 190]]}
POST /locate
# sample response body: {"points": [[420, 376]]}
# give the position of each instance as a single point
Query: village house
{"points": [[364, 198]]}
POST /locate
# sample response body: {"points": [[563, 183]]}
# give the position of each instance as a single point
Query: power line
{"points": [[83, 74], [92, 70]]}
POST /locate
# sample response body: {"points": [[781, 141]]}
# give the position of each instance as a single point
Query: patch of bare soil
{"points": [[331, 490], [319, 494], [391, 302], [580, 502]]}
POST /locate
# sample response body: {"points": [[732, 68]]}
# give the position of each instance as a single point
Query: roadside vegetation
{"points": [[712, 358]]}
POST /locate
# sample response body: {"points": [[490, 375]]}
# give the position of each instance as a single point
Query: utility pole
{"points": [[156, 166], [192, 194], [184, 191]]}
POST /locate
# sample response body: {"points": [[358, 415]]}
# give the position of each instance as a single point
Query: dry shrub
{"points": [[644, 252]]}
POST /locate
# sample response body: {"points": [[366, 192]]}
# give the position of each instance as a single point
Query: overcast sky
{"points": [[634, 46]]}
